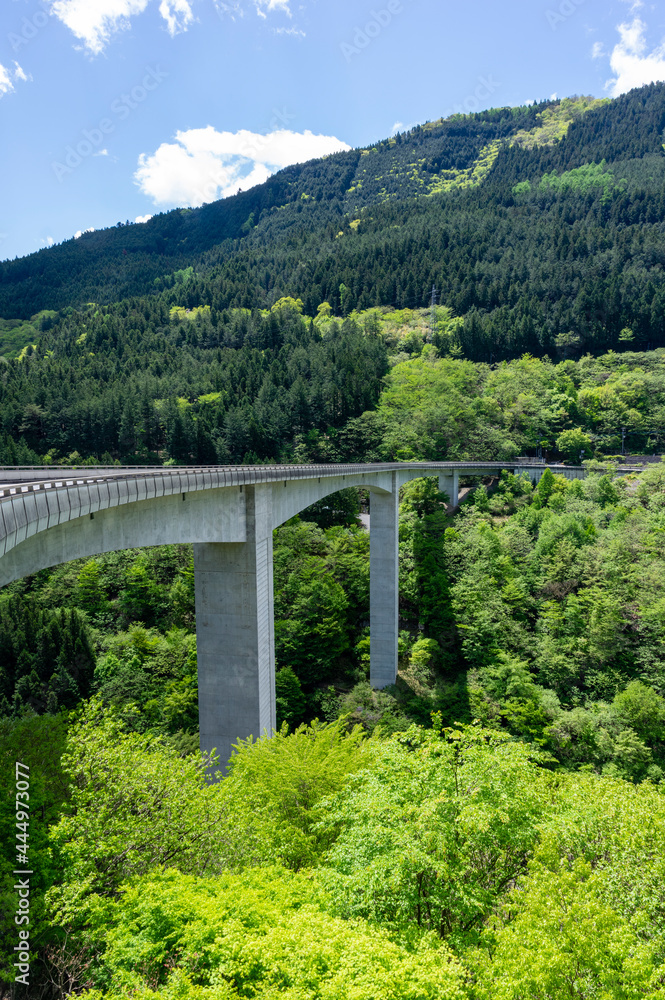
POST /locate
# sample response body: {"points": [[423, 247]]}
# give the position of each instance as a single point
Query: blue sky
{"points": [[116, 109]]}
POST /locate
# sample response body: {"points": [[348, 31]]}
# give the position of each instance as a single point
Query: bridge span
{"points": [[229, 514]]}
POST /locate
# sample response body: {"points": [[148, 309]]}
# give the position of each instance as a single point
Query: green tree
{"points": [[643, 709], [572, 443], [310, 622], [91, 595], [435, 830], [136, 806], [545, 486], [291, 702], [264, 934], [274, 785]]}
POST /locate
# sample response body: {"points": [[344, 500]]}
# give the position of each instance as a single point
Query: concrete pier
{"points": [[384, 585], [449, 483], [235, 631]]}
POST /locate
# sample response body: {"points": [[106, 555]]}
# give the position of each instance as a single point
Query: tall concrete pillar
{"points": [[384, 585], [449, 483], [235, 631]]}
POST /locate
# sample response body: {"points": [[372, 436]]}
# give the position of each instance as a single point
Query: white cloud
{"points": [[631, 63], [204, 164], [598, 50], [554, 96], [80, 232], [9, 77], [265, 7], [48, 240], [397, 127], [177, 14], [94, 22], [143, 218], [6, 85]]}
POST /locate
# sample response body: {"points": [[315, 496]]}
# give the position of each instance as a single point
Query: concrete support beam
{"points": [[449, 483], [235, 631], [384, 585]]}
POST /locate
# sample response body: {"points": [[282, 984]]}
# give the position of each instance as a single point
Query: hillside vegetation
{"points": [[493, 824], [545, 235]]}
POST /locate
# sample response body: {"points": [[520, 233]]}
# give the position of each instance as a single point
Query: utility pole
{"points": [[432, 318]]}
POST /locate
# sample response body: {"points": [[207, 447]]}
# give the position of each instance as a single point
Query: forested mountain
{"points": [[259, 326], [492, 825], [540, 225]]}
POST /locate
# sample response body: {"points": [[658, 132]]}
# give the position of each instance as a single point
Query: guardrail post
{"points": [[235, 632], [384, 585]]}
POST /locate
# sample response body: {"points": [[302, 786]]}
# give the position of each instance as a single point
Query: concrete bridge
{"points": [[229, 515]]}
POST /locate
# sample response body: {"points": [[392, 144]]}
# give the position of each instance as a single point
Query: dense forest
{"points": [[541, 226], [493, 824]]}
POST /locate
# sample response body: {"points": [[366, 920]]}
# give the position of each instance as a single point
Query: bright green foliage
{"points": [[442, 408], [643, 709], [435, 830], [535, 881], [17, 335], [554, 121], [430, 408], [545, 487], [135, 805], [274, 784], [574, 445], [588, 918], [263, 935], [567, 940], [424, 654], [587, 179]]}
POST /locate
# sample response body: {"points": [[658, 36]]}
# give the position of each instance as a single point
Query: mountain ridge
{"points": [[435, 158]]}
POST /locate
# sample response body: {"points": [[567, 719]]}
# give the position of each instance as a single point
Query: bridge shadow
{"points": [[447, 695]]}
